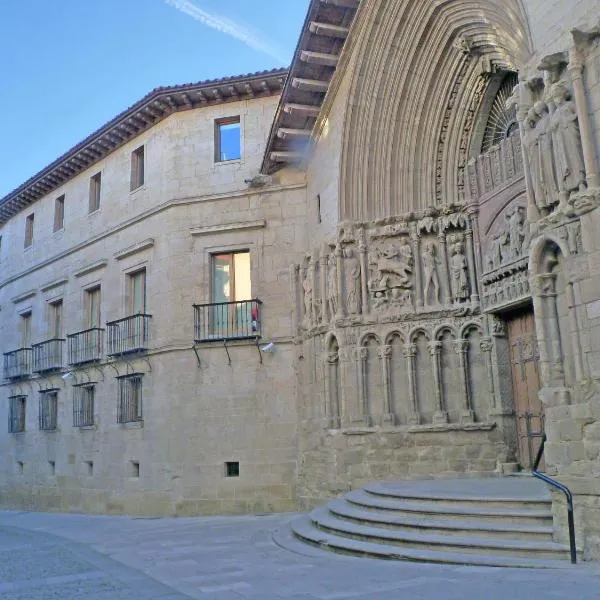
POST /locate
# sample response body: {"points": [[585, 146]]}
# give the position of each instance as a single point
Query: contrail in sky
{"points": [[228, 27]]}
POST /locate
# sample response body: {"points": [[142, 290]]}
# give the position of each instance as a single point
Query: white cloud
{"points": [[228, 27]]}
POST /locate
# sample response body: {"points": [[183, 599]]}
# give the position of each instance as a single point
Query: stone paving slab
{"points": [[234, 558]]}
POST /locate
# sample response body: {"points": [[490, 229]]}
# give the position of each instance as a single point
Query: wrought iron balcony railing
{"points": [[85, 346], [127, 335], [227, 321], [17, 364], [48, 356]]}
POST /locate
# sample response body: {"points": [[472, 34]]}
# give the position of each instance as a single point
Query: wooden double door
{"points": [[524, 364]]}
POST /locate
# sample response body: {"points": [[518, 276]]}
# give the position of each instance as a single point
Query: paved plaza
{"points": [[72, 557]]}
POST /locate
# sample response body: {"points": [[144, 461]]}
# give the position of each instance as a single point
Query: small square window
{"points": [[20, 467], [89, 467], [51, 467], [228, 139], [134, 469], [232, 469], [137, 168], [95, 186], [29, 230], [59, 213]]}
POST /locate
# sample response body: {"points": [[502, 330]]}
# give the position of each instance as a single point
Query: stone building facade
{"points": [[423, 241]]}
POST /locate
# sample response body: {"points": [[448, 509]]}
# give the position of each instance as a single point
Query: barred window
{"points": [[16, 414], [130, 398], [83, 405], [48, 410]]}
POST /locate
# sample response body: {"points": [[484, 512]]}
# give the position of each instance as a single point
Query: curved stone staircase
{"points": [[487, 522]]}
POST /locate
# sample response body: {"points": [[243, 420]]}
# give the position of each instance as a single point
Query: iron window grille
{"points": [[130, 334], [227, 321], [16, 414], [85, 346], [17, 364], [129, 409], [83, 405], [48, 410]]}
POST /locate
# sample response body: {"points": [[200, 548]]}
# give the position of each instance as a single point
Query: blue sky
{"points": [[68, 66]]}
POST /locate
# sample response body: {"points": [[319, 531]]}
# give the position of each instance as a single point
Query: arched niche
{"points": [[333, 384], [372, 379], [477, 373], [399, 385], [424, 379], [452, 385]]}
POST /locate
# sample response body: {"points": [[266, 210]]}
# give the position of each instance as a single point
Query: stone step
{"points": [[439, 510], [303, 529], [486, 493], [500, 528], [325, 520]]}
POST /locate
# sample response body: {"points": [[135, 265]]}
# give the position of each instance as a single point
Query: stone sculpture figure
{"points": [[459, 269], [332, 298], [516, 232], [545, 156], [431, 281], [352, 279], [392, 273], [531, 145], [566, 138]]}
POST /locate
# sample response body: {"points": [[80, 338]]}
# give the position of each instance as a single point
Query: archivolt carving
{"points": [[417, 157]]}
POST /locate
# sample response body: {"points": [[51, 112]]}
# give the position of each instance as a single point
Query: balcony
{"points": [[48, 356], [128, 335], [85, 346], [17, 364], [227, 321]]}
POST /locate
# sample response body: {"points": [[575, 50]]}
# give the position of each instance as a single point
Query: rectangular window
{"points": [[16, 414], [95, 185], [48, 410], [59, 213], [56, 319], [129, 408], [26, 329], [83, 405], [228, 145], [92, 307], [29, 230], [137, 292], [137, 168]]}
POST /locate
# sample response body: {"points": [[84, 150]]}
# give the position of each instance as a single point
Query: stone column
{"points": [[462, 346], [339, 261], [410, 353], [385, 354], [364, 272], [575, 68], [332, 399], [416, 249], [472, 268], [362, 417], [486, 346], [476, 243], [323, 286], [435, 350], [445, 278], [294, 279], [575, 337]]}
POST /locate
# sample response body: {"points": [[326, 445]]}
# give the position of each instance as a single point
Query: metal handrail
{"points": [[565, 490]]}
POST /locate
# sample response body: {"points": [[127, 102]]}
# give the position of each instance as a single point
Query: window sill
{"points": [[132, 425], [137, 189], [87, 427], [95, 212], [223, 163]]}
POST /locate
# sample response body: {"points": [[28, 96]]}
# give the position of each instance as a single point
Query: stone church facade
{"points": [[423, 248]]}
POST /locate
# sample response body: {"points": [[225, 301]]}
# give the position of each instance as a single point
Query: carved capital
{"points": [[498, 327], [435, 348], [385, 352], [486, 344], [362, 353], [461, 346], [410, 350], [544, 285], [332, 358]]}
